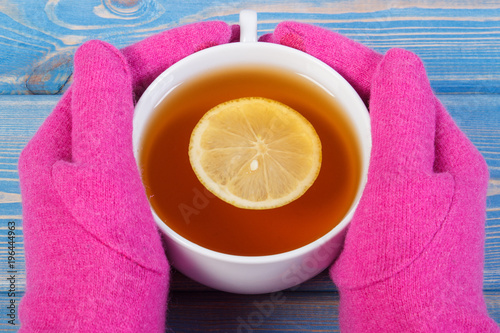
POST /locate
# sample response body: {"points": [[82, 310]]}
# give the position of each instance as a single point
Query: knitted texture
{"points": [[94, 257], [333, 49], [150, 57], [413, 254]]}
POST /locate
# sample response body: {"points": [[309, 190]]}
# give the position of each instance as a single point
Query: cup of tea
{"points": [[212, 241]]}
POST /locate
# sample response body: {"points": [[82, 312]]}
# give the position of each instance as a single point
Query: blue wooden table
{"points": [[459, 42]]}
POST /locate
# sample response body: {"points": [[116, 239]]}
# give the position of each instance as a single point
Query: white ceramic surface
{"points": [[257, 274]]}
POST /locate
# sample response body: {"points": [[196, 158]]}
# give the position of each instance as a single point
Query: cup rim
{"points": [[259, 259]]}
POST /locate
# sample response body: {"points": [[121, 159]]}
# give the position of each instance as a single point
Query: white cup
{"points": [[255, 274]]}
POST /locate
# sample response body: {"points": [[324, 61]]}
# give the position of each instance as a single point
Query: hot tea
{"points": [[180, 200]]}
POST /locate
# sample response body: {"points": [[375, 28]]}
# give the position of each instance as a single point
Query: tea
{"points": [[189, 209]]}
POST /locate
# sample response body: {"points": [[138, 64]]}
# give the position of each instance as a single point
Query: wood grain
{"points": [[286, 312], [209, 311], [458, 41]]}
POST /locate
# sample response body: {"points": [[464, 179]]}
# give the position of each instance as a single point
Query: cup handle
{"points": [[248, 26]]}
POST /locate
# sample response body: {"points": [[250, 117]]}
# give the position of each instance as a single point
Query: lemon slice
{"points": [[255, 153]]}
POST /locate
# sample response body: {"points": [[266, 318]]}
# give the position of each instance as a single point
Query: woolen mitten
{"points": [[414, 252], [94, 257]]}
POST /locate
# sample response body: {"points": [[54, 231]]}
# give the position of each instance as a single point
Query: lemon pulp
{"points": [[255, 153]]}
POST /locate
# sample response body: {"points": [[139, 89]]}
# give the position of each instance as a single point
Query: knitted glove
{"points": [[94, 257], [414, 251]]}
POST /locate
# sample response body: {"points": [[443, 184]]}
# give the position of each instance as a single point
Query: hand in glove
{"points": [[94, 257], [414, 251]]}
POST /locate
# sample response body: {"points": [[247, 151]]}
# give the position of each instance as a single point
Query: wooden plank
{"points": [[458, 41], [285, 312], [9, 303], [211, 311]]}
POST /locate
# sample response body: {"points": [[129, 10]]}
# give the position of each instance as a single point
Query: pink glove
{"points": [[414, 252], [94, 257]]}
